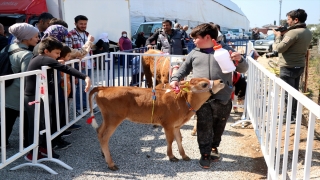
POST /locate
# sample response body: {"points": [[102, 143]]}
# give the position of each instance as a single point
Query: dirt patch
{"points": [[248, 146]]}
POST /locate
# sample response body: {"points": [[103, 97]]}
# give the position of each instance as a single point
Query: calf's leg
{"points": [[170, 137], [178, 138], [104, 133]]}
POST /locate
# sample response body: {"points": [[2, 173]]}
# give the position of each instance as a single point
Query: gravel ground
{"points": [[140, 153]]}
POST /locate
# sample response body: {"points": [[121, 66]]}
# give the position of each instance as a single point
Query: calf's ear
{"points": [[217, 86]]}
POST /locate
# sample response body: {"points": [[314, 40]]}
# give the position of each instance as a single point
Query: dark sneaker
{"points": [[74, 127], [66, 133], [44, 152], [29, 158], [205, 161], [62, 144], [215, 156], [293, 120]]}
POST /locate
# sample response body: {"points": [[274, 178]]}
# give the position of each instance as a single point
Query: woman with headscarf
{"points": [[124, 42], [26, 35], [102, 44]]}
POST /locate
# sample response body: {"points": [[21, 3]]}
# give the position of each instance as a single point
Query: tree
{"points": [[315, 29], [283, 22]]}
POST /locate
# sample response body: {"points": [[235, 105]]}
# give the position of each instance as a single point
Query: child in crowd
{"points": [[49, 51], [58, 143], [214, 113], [65, 55]]}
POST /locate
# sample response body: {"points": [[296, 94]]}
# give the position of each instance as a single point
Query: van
{"points": [[147, 28]]}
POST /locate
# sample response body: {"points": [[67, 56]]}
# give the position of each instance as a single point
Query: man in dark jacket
{"points": [[255, 34], [3, 38], [168, 40], [292, 46]]}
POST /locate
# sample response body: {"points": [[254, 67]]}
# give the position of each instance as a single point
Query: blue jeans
{"points": [[84, 94]]}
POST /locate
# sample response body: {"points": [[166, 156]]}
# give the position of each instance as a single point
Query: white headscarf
{"points": [[104, 37], [23, 31], [220, 36]]}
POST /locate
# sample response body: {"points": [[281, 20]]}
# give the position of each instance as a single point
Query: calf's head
{"points": [[198, 85]]}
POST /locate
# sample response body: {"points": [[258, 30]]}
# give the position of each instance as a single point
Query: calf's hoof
{"points": [[113, 168], [193, 133], [174, 159], [186, 158]]}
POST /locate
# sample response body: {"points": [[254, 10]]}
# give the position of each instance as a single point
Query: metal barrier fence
{"points": [[98, 78], [40, 82], [240, 45], [266, 104]]}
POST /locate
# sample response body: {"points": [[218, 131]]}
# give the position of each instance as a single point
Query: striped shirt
{"points": [[76, 40]]}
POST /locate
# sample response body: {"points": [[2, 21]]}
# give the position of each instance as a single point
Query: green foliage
{"points": [[315, 29], [283, 22]]}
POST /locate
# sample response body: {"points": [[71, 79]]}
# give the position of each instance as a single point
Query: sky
{"points": [[262, 12]]}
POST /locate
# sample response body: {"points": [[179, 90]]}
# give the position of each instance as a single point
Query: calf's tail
{"points": [[91, 120]]}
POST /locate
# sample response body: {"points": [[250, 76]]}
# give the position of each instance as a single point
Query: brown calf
{"points": [[170, 110], [162, 71]]}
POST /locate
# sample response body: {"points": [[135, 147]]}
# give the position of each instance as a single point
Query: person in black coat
{"points": [[141, 40], [3, 38], [102, 46]]}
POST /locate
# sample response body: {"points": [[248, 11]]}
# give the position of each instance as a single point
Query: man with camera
{"points": [[168, 40], [292, 45]]}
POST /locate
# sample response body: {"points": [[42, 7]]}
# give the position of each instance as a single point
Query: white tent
{"points": [[188, 12]]}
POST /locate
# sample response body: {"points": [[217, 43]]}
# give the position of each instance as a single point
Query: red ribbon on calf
{"points": [[89, 120]]}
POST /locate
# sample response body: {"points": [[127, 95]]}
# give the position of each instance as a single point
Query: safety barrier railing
{"points": [[268, 97], [101, 77], [240, 45], [40, 81]]}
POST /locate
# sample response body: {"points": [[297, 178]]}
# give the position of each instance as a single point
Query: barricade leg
{"points": [[48, 135], [243, 118]]}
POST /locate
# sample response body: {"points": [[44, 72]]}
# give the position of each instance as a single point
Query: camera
{"points": [[272, 54], [281, 29]]}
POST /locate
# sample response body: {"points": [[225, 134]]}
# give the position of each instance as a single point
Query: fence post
{"points": [[306, 71]]}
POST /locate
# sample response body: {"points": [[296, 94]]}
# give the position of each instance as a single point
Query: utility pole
{"points": [[280, 1]]}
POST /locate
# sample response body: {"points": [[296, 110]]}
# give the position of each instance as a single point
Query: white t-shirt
{"points": [[83, 39]]}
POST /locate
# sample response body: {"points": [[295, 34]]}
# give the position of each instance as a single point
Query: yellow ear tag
{"points": [[186, 89]]}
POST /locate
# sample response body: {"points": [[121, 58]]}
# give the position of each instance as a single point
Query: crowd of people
{"points": [[48, 43], [53, 44]]}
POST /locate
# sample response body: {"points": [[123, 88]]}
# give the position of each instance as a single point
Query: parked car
{"points": [[249, 34], [238, 32], [264, 45], [246, 36], [229, 34]]}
